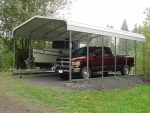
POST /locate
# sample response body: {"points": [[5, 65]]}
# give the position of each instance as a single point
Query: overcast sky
{"points": [[112, 12]]}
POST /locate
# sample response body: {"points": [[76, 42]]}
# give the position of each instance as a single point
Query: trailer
{"points": [[50, 29]]}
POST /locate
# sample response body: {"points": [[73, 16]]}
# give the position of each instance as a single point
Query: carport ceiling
{"points": [[45, 28]]}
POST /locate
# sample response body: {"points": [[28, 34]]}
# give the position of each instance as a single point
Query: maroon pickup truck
{"points": [[79, 62]]}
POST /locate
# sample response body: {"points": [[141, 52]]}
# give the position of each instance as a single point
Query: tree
{"points": [[14, 12], [122, 42], [107, 41], [124, 26], [145, 30], [136, 29]]}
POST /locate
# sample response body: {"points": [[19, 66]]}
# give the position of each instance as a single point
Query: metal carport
{"points": [[48, 29]]}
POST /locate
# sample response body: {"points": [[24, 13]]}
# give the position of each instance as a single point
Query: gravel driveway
{"points": [[110, 82]]}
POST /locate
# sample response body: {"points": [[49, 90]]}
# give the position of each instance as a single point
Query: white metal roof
{"points": [[45, 28]]}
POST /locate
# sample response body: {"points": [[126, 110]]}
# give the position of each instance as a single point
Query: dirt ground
{"points": [[8, 105]]}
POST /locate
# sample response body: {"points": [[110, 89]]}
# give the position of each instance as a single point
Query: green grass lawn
{"points": [[134, 100]]}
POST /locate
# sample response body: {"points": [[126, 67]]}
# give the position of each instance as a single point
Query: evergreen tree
{"points": [[107, 41], [122, 42], [136, 29], [124, 26]]}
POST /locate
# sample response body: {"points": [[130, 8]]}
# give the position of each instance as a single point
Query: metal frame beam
{"points": [[143, 58], [70, 55], [14, 59], [102, 57], [52, 30], [115, 56], [87, 54], [135, 57], [126, 52]]}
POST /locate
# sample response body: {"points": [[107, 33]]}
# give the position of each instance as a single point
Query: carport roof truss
{"points": [[45, 28]]}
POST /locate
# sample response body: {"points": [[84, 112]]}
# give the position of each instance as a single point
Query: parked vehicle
{"points": [[46, 58], [79, 62]]}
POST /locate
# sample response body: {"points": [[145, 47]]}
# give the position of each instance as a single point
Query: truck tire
{"points": [[84, 74], [64, 76], [125, 70]]}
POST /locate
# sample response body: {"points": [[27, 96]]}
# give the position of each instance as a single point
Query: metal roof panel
{"points": [[45, 28]]}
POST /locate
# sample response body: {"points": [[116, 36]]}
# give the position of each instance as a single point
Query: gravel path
{"points": [[110, 82]]}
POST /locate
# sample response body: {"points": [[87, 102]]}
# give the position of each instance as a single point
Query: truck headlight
{"points": [[76, 63]]}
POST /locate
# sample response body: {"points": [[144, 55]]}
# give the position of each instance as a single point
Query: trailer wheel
{"points": [[105, 73], [84, 74], [125, 70], [64, 76]]}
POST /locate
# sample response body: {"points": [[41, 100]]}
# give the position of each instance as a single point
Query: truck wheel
{"points": [[84, 74], [125, 70], [64, 76]]}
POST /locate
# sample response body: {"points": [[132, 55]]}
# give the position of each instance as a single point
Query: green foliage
{"points": [[14, 12], [139, 58], [143, 61], [147, 20], [6, 56], [136, 29], [40, 44], [7, 61]]}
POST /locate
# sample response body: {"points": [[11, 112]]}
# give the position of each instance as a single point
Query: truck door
{"points": [[108, 59], [97, 60]]}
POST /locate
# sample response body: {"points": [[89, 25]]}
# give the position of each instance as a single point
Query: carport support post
{"points": [[115, 56], [44, 42], [102, 57], [135, 59], [70, 40], [143, 57], [87, 53], [126, 52], [29, 51], [14, 60]]}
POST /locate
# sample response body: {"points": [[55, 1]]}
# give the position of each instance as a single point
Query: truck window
{"points": [[98, 52], [81, 51], [107, 51]]}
